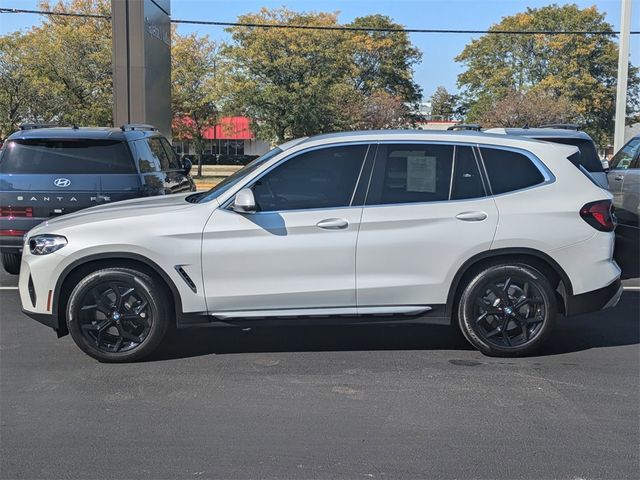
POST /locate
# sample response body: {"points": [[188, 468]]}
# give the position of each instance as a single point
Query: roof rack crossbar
{"points": [[466, 126], [138, 126], [33, 126], [562, 126]]}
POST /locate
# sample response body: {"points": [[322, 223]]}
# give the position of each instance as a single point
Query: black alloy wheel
{"points": [[507, 310], [117, 314]]}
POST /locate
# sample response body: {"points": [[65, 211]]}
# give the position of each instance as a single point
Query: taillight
{"points": [[12, 212], [599, 215]]}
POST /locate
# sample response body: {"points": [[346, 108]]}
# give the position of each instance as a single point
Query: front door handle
{"points": [[619, 178], [333, 224], [471, 216]]}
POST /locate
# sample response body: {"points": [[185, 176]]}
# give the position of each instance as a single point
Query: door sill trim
{"points": [[383, 310]]}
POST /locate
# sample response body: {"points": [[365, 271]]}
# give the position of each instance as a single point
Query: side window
{"points": [[321, 178], [147, 161], [624, 158], [158, 151], [411, 173], [509, 171], [171, 155], [467, 182]]}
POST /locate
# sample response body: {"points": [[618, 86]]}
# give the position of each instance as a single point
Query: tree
{"points": [[380, 110], [532, 108], [384, 60], [195, 70], [60, 71], [579, 68], [302, 82], [291, 82], [443, 104]]}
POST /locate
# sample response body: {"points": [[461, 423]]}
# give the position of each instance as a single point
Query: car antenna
{"points": [[526, 126], [74, 126]]}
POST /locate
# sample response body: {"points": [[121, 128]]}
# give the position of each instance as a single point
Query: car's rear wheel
{"points": [[118, 314], [11, 263], [507, 310]]}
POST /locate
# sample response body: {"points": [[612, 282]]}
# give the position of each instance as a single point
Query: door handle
{"points": [[333, 224], [471, 216], [619, 178]]}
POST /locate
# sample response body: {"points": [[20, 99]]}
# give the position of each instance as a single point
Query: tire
{"points": [[511, 321], [11, 263], [118, 327]]}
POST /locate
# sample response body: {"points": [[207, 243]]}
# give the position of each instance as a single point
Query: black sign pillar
{"points": [[142, 62]]}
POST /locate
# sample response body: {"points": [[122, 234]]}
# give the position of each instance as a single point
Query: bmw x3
{"points": [[496, 234]]}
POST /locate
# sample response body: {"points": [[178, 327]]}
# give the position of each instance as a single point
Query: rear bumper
{"points": [[595, 300]]}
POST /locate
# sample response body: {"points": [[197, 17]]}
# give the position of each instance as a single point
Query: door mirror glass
{"points": [[186, 165], [244, 201]]}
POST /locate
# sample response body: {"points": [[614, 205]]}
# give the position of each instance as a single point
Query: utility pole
{"points": [[623, 74]]}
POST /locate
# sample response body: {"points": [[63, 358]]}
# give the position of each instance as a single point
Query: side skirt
{"points": [[433, 315]]}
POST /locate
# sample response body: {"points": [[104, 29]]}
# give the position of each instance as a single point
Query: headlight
{"points": [[46, 244]]}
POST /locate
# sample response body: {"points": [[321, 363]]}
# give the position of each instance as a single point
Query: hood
{"points": [[128, 209]]}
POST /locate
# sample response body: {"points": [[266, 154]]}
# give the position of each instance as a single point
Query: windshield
{"points": [[232, 180]]}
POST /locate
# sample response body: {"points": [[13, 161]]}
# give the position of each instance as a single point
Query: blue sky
{"points": [[437, 67]]}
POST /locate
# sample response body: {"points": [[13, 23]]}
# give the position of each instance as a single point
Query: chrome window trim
{"points": [[229, 201]]}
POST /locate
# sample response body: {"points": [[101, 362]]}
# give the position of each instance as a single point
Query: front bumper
{"points": [[595, 300]]}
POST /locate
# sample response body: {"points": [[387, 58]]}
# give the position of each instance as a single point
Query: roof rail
{"points": [[562, 126], [466, 126], [138, 126], [33, 126]]}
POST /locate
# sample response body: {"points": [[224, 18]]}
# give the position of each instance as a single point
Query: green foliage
{"points": [[384, 60], [443, 104], [60, 71], [581, 69], [197, 74], [303, 82]]}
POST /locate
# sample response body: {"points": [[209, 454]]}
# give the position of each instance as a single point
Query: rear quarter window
{"points": [[509, 171], [66, 156]]}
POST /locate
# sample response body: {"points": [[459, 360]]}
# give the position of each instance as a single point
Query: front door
{"points": [[296, 254], [426, 212]]}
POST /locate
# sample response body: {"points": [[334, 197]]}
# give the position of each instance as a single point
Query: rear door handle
{"points": [[333, 224], [471, 216]]}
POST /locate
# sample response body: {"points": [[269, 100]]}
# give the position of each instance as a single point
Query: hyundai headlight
{"points": [[46, 244]]}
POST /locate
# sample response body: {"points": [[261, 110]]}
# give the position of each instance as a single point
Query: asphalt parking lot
{"points": [[333, 402]]}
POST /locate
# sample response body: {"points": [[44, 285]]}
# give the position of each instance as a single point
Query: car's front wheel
{"points": [[11, 263], [507, 310], [118, 314]]}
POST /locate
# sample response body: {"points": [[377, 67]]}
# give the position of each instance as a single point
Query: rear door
{"points": [[50, 177], [426, 212]]}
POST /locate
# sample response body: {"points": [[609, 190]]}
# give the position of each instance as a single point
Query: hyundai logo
{"points": [[62, 182]]}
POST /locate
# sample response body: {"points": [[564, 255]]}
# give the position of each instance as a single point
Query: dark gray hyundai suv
{"points": [[46, 172]]}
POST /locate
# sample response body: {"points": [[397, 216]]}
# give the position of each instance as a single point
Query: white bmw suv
{"points": [[494, 233]]}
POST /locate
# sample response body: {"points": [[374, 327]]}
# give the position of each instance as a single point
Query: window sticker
{"points": [[421, 174]]}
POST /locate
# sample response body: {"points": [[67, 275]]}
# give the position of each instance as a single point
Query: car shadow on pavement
{"points": [[609, 328]]}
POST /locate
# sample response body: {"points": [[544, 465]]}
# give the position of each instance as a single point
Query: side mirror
{"points": [[605, 165], [244, 202], [186, 165]]}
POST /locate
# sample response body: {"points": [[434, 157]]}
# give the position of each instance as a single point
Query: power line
{"points": [[337, 27]]}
